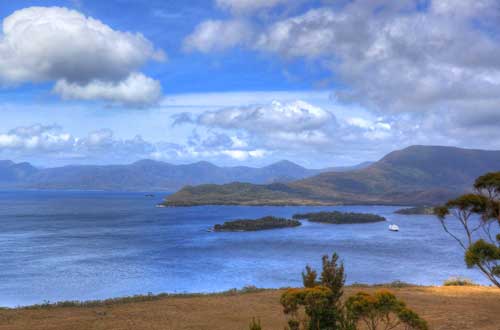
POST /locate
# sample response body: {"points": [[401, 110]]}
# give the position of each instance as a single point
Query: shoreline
{"points": [[193, 204]]}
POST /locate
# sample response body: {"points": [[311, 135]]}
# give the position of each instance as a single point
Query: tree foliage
{"points": [[480, 240], [309, 277], [320, 300], [338, 218], [264, 223], [382, 310]]}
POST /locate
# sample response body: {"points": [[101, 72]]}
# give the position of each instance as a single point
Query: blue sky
{"points": [[321, 83]]}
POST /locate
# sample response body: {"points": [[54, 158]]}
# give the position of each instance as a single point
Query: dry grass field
{"points": [[445, 308]]}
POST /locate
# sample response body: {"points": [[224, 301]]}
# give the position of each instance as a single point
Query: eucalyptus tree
{"points": [[478, 214]]}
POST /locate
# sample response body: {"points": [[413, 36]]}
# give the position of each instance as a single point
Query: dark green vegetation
{"points": [[264, 223], [481, 251], [418, 175], [458, 281], [419, 210], [138, 298], [144, 175], [339, 218], [321, 302]]}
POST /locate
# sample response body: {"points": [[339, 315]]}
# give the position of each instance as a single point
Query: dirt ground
{"points": [[445, 308]]}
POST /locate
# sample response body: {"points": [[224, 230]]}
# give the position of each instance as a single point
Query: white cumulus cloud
{"points": [[395, 56], [218, 35], [248, 6], [40, 44], [290, 116], [136, 89]]}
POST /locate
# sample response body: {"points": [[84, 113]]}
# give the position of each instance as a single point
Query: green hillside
{"points": [[415, 175]]}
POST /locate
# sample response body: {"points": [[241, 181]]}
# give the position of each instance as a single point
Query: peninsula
{"points": [[403, 177]]}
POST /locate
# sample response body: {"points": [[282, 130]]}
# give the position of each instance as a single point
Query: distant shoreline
{"points": [[284, 204], [153, 297], [231, 292]]}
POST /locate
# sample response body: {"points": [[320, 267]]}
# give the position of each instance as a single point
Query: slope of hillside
{"points": [[144, 175], [415, 175], [445, 308]]}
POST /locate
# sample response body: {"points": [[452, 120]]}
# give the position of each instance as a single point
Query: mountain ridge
{"points": [[414, 175], [144, 175]]}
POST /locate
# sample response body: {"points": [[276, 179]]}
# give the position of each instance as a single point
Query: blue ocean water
{"points": [[92, 245]]}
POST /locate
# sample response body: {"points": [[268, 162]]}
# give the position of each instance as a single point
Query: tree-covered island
{"points": [[339, 218], [264, 223], [419, 210]]}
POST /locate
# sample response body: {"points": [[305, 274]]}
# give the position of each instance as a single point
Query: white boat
{"points": [[393, 227]]}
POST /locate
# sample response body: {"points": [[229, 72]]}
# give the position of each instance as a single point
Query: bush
{"points": [[255, 325], [458, 281], [382, 310]]}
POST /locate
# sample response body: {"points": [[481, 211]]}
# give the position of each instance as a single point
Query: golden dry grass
{"points": [[445, 308]]}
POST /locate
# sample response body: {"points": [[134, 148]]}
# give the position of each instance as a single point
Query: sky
{"points": [[245, 82]]}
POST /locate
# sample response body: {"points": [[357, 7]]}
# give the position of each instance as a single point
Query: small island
{"points": [[264, 223], [339, 218], [419, 210]]}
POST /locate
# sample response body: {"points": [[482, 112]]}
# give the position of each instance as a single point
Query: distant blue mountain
{"points": [[144, 175]]}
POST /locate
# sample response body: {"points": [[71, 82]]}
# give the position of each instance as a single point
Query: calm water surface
{"points": [[92, 245]]}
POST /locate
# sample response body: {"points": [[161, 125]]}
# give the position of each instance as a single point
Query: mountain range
{"points": [[145, 175], [415, 175]]}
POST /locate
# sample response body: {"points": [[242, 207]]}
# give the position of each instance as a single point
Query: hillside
{"points": [[449, 308], [415, 175], [144, 175]]}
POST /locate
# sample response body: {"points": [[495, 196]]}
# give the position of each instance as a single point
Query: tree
{"points": [[481, 239], [333, 276], [320, 300]]}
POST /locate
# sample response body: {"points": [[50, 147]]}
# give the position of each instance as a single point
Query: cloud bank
{"points": [[387, 56], [54, 145]]}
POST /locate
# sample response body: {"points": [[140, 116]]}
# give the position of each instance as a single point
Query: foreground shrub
{"points": [[320, 303], [255, 325], [381, 310]]}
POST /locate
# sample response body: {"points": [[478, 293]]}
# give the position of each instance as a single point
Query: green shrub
{"points": [[255, 325], [381, 310]]}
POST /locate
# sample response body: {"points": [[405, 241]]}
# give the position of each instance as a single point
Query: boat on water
{"points": [[393, 227]]}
